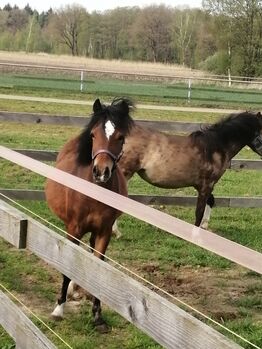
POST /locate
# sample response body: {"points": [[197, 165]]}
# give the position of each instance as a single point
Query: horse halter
{"points": [[257, 143], [113, 156]]}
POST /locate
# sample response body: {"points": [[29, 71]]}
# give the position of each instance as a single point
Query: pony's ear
{"points": [[97, 107], [124, 107], [259, 115]]}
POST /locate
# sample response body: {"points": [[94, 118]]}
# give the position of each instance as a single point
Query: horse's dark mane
{"points": [[239, 128], [117, 113]]}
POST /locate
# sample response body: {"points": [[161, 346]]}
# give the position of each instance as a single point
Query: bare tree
{"points": [[68, 25], [184, 30], [17, 19], [152, 32]]}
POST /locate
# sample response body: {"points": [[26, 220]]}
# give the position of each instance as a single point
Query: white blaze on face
{"points": [[109, 128]]}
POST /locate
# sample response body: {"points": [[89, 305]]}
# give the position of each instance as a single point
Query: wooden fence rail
{"points": [[236, 164], [81, 121], [249, 202], [159, 318], [203, 238], [49, 155], [26, 334]]}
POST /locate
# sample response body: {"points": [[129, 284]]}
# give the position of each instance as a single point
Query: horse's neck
{"points": [[234, 149]]}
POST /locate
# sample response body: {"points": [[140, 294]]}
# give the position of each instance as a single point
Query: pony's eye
{"points": [[121, 138]]}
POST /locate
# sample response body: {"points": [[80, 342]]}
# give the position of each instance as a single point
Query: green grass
{"points": [[6, 341], [247, 329]]}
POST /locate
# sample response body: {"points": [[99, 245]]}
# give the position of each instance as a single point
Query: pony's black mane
{"points": [[117, 113], [238, 128]]}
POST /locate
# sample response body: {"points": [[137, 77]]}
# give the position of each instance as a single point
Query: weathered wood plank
{"points": [[41, 155], [49, 155], [81, 121], [244, 164], [43, 119], [214, 243], [13, 225], [20, 327], [249, 202], [23, 194], [162, 320]]}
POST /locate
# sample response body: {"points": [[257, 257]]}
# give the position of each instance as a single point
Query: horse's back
{"points": [[161, 159]]}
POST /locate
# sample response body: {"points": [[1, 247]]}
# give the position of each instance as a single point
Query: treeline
{"points": [[224, 37]]}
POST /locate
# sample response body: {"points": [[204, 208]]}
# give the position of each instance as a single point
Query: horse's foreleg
{"points": [[58, 312], [101, 243], [205, 202], [200, 207], [116, 231], [207, 212]]}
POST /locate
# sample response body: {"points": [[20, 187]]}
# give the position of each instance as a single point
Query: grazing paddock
{"points": [[195, 276]]}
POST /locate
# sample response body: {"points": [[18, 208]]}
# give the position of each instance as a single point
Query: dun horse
{"points": [[93, 156], [197, 160]]}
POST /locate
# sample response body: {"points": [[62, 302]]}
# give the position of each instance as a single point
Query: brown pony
{"points": [[93, 156], [197, 160]]}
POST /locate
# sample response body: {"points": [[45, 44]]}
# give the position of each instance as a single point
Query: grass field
{"points": [[222, 290]]}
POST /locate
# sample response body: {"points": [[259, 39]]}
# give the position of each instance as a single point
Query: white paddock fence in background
{"points": [[162, 320], [227, 80]]}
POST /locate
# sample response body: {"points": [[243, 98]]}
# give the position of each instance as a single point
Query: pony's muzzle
{"points": [[101, 176]]}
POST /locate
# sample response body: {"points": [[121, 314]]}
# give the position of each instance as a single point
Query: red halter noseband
{"points": [[113, 156]]}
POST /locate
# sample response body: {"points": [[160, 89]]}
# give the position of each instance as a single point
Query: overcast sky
{"points": [[98, 5]]}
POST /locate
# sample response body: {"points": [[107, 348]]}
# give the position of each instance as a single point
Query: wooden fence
{"points": [[162, 320], [81, 121], [161, 220], [184, 127]]}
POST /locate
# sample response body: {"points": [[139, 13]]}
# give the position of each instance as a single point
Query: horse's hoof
{"points": [[117, 234], [58, 312], [56, 317], [103, 328]]}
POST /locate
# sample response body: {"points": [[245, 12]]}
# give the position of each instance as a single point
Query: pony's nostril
{"points": [[107, 172], [95, 171]]}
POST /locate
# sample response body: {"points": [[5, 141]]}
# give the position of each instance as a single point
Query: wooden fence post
{"points": [[13, 225]]}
